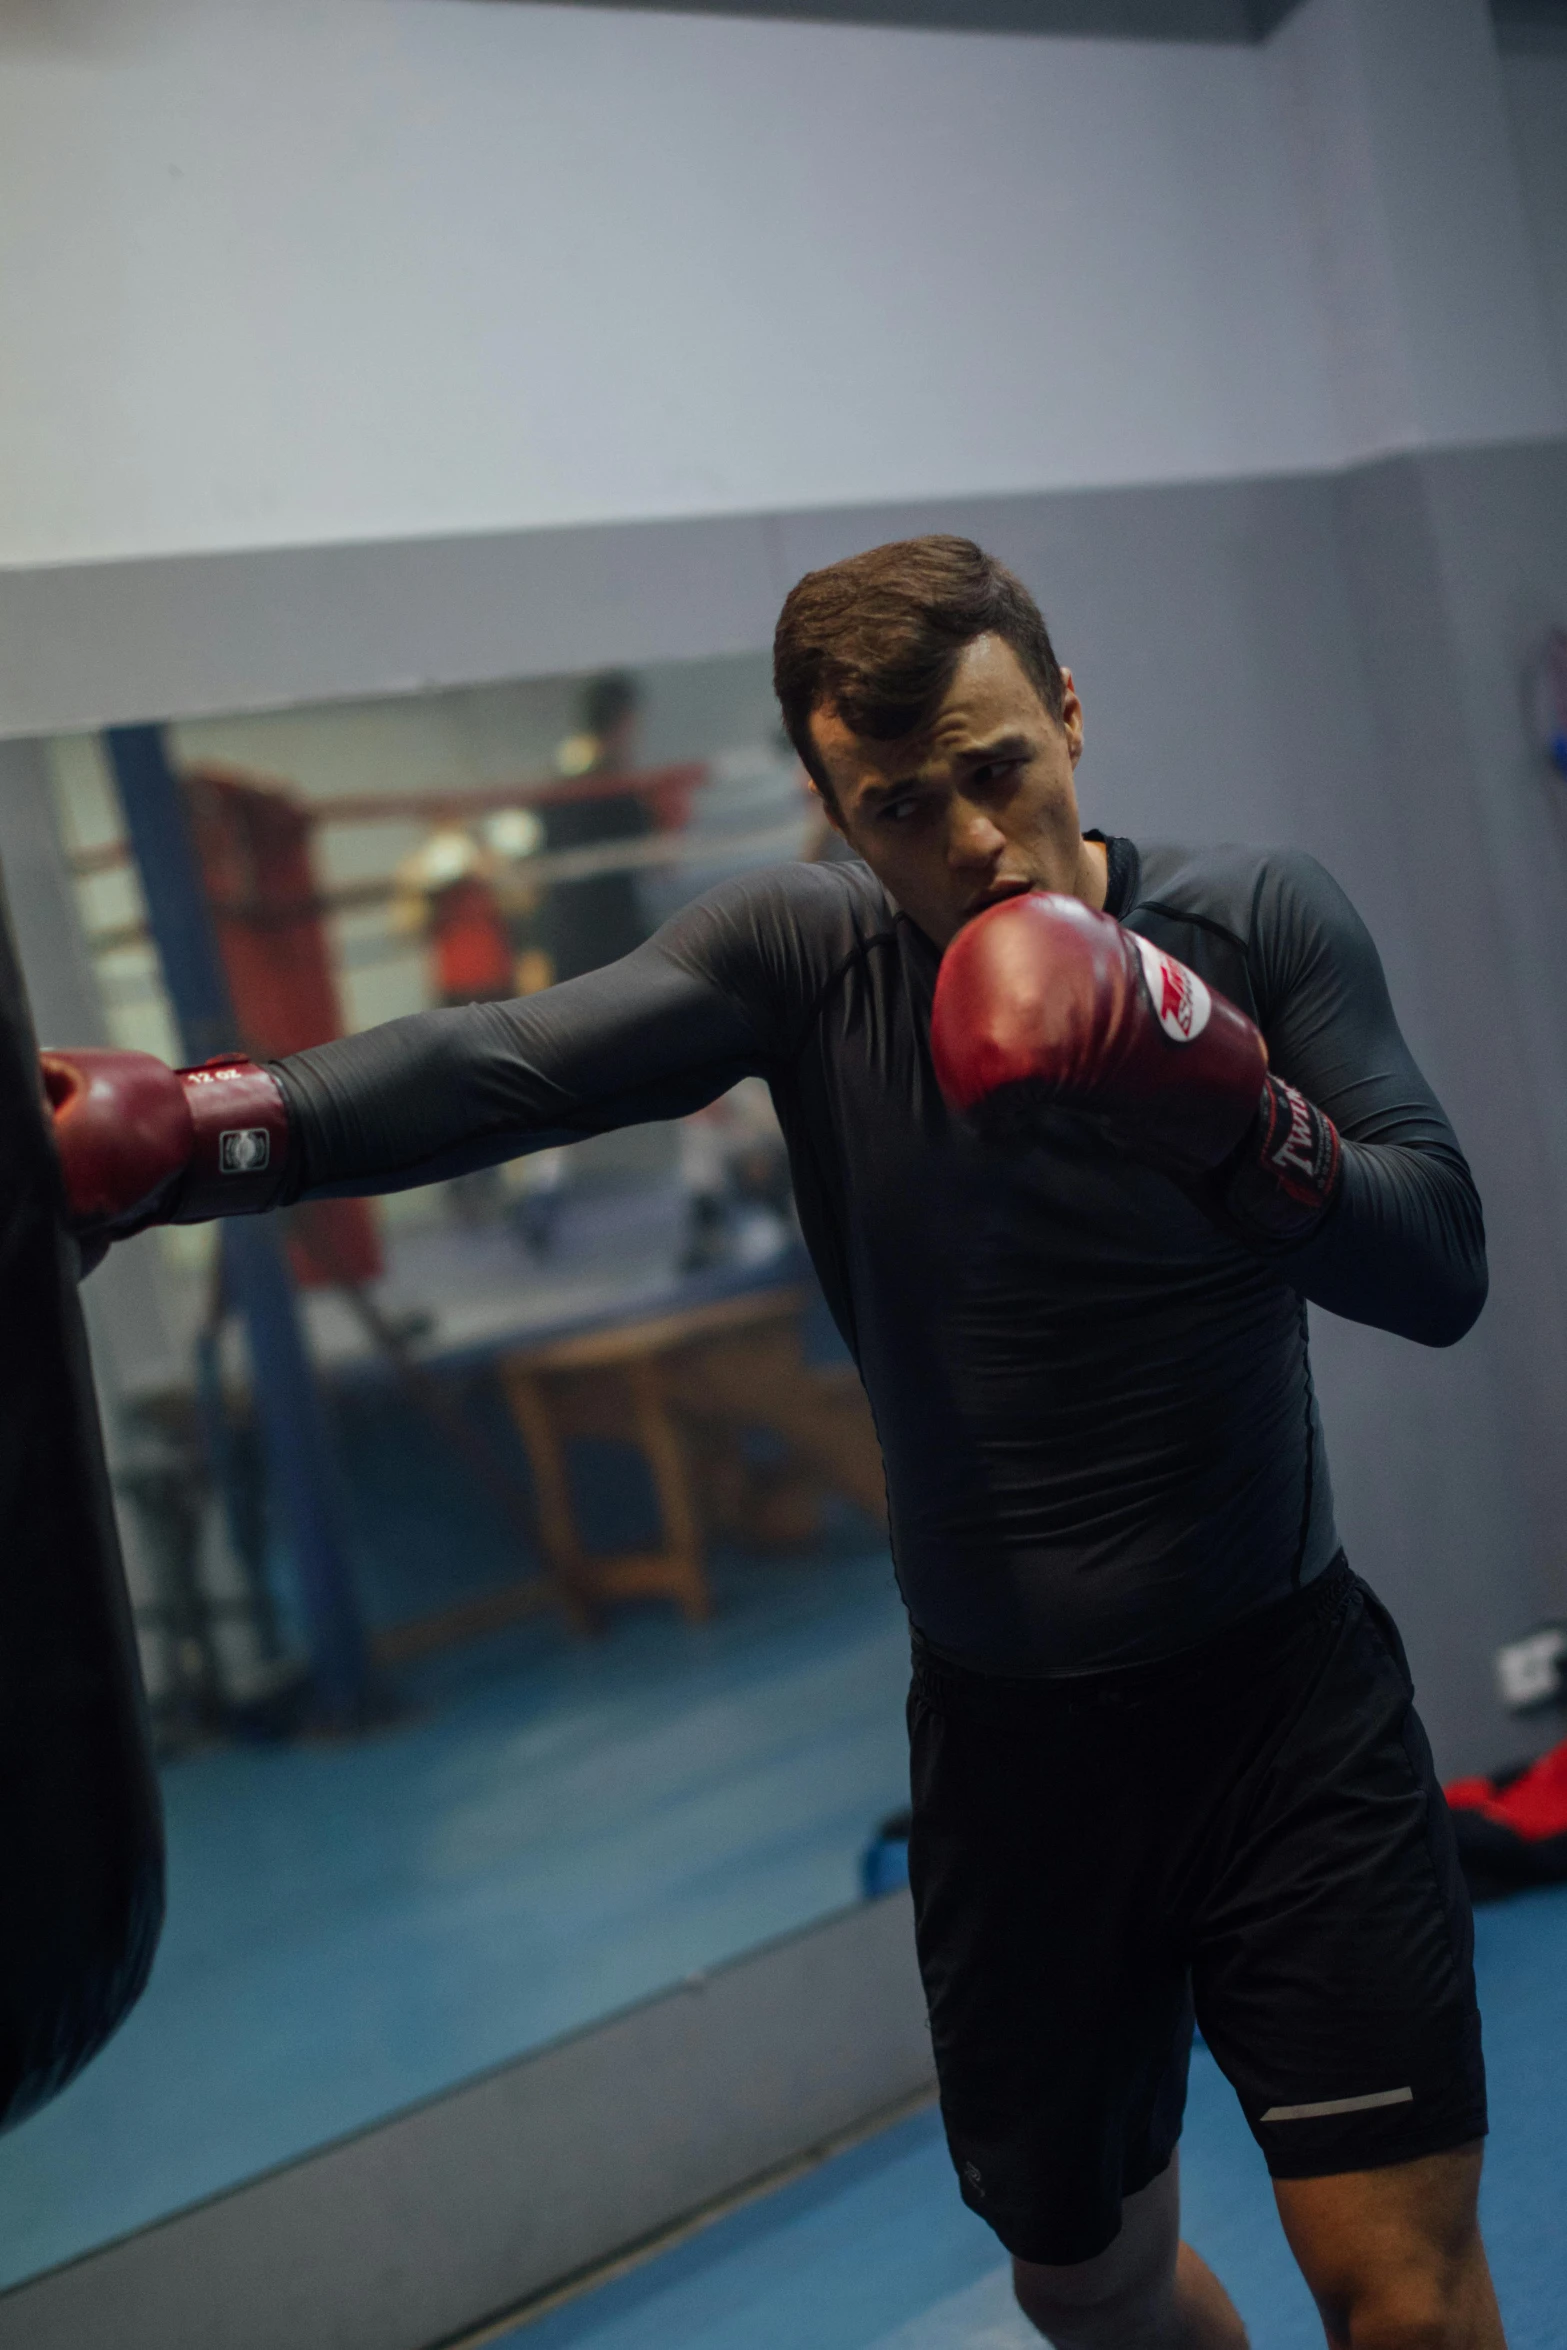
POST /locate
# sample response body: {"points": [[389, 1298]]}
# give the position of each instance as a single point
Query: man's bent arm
{"points": [[1403, 1245]]}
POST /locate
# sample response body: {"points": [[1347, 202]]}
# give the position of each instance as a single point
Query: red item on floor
{"points": [[1513, 1826]]}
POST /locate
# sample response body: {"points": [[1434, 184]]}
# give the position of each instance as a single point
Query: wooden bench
{"points": [[684, 1387]]}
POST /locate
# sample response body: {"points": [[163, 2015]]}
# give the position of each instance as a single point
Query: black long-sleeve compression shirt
{"points": [[1095, 1404]]}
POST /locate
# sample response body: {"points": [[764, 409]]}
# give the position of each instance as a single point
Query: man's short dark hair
{"points": [[877, 637]]}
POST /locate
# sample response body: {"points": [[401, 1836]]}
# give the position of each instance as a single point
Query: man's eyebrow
{"points": [[1003, 746], [875, 793], [1014, 745]]}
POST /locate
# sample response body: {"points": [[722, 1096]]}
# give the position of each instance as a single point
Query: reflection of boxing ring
{"points": [[255, 833], [241, 927]]}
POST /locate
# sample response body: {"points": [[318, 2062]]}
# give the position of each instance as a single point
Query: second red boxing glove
{"points": [[1041, 1000]]}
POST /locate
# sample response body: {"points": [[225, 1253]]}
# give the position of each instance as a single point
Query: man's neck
{"points": [[1093, 874]]}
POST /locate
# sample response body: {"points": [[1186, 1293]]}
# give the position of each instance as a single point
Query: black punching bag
{"points": [[81, 1831]]}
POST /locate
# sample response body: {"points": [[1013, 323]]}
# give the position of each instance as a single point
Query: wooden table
{"points": [[684, 1387]]}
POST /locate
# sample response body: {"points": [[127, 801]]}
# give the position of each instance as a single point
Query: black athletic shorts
{"points": [[1256, 1827]]}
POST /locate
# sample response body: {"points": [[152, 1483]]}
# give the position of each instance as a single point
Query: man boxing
{"points": [[1077, 1127]]}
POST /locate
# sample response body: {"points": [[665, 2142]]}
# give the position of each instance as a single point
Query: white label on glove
{"points": [[1181, 1002]]}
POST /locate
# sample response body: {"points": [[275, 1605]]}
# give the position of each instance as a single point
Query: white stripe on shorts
{"points": [[1309, 2113]]}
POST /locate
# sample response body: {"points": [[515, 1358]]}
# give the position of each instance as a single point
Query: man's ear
{"points": [[1071, 716], [829, 808]]}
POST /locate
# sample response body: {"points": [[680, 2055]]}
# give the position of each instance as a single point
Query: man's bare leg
{"points": [[1147, 2291], [1394, 2257]]}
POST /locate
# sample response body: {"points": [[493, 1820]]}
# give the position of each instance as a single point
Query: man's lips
{"points": [[994, 895]]}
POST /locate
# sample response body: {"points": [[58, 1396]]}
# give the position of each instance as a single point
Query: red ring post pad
{"points": [[1041, 1000], [81, 1838]]}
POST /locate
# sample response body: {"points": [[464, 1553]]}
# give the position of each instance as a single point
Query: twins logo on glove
{"points": [[1181, 1002], [1299, 1144]]}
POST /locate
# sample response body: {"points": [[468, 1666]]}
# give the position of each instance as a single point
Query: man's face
{"points": [[981, 805]]}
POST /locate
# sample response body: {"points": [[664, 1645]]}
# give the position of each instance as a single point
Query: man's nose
{"points": [[974, 837]]}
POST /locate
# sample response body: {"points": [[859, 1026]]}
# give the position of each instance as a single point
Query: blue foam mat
{"points": [[874, 2250]]}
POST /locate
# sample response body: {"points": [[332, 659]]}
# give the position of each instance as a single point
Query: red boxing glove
{"points": [[1041, 1000], [143, 1144]]}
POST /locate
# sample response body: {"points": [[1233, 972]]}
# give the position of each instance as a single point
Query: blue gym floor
{"points": [[874, 2250], [551, 1830]]}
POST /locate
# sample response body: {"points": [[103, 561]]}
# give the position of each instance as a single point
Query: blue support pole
{"points": [[256, 1276], [302, 1470]]}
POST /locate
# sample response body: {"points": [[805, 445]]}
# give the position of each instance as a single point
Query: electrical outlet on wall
{"points": [[1533, 1671]]}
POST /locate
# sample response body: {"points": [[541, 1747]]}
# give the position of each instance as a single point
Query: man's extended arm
{"points": [[440, 1093], [660, 1033]]}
